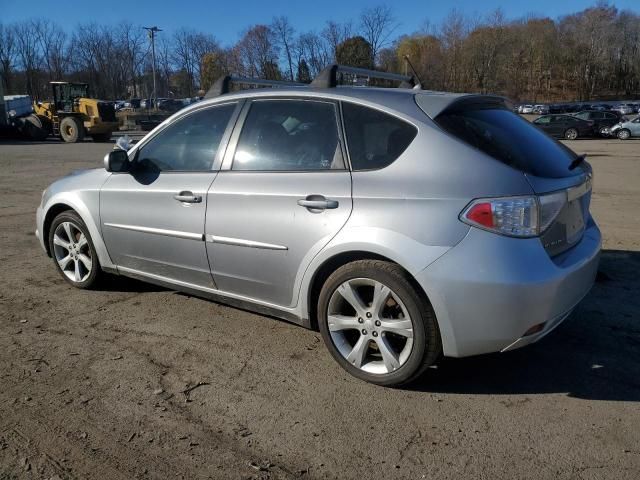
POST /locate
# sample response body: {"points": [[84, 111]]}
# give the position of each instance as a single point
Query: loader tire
{"points": [[71, 130]]}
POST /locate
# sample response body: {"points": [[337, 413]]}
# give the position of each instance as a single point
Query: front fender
{"points": [[85, 202]]}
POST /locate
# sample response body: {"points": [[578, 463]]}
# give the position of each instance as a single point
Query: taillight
{"points": [[526, 216]]}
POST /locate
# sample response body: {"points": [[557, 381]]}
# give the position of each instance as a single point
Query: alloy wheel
{"points": [[370, 326], [72, 252]]}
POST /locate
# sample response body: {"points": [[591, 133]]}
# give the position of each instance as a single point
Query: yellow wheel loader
{"points": [[72, 114]]}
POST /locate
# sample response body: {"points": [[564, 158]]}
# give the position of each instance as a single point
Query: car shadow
{"points": [[120, 283], [594, 354]]}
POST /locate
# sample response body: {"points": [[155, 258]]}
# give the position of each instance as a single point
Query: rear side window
{"points": [[375, 139], [510, 139]]}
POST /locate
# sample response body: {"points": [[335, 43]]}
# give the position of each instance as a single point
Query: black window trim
{"points": [[227, 161], [216, 162]]}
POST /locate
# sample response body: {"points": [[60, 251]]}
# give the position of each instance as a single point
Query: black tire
{"points": [[571, 134], [96, 274], [46, 124], [31, 127], [623, 134], [71, 130], [603, 132], [427, 344], [101, 137]]}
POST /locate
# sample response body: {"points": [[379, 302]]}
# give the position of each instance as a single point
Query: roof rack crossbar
{"points": [[223, 84], [328, 77]]}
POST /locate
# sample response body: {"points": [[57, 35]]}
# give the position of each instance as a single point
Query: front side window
{"points": [[289, 135], [375, 139], [190, 144], [543, 120]]}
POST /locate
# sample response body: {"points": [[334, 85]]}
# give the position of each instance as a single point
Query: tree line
{"points": [[591, 54]]}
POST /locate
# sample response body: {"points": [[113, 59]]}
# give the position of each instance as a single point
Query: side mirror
{"points": [[117, 161]]}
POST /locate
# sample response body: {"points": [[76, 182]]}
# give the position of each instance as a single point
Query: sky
{"points": [[226, 21]]}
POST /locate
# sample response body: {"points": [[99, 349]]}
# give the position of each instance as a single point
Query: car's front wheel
{"points": [[376, 324], [571, 134], [624, 134], [72, 250]]}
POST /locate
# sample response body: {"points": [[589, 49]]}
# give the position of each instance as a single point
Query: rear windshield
{"points": [[509, 138]]}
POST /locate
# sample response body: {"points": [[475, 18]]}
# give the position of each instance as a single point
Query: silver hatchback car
{"points": [[403, 224]]}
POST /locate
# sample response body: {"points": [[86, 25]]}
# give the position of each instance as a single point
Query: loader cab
{"points": [[65, 94]]}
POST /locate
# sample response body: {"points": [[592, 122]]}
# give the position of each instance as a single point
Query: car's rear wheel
{"points": [[73, 251], [624, 134], [571, 134], [376, 324], [604, 132]]}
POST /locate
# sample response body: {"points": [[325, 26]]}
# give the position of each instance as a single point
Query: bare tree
{"points": [[335, 33], [189, 49], [52, 42], [258, 52], [284, 34], [453, 32], [28, 54], [8, 54], [377, 24], [132, 43], [316, 52]]}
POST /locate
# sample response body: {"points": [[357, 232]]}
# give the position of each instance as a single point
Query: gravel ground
{"points": [[95, 384]]}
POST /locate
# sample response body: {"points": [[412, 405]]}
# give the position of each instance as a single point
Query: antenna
{"points": [[415, 74]]}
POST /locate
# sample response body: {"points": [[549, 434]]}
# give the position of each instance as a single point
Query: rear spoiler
{"points": [[434, 103]]}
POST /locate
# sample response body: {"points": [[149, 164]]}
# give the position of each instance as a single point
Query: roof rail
{"points": [[223, 84], [328, 77]]}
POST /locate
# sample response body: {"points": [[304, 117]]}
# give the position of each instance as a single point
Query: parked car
{"points": [[170, 104], [541, 109], [602, 121], [403, 224], [526, 109], [626, 129], [132, 103], [565, 126], [572, 108], [556, 108], [623, 109]]}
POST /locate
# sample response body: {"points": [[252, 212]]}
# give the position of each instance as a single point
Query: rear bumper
{"points": [[489, 290]]}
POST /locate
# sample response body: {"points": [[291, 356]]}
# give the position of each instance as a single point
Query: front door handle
{"points": [[317, 202], [187, 197]]}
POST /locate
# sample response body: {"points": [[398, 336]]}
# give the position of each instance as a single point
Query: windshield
{"points": [[510, 139]]}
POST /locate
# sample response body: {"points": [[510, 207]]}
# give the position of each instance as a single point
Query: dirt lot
{"points": [[91, 382]]}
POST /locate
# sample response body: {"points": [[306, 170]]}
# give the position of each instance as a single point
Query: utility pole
{"points": [[152, 35]]}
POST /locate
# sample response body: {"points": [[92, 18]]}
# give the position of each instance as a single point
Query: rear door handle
{"points": [[187, 197], [318, 202]]}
